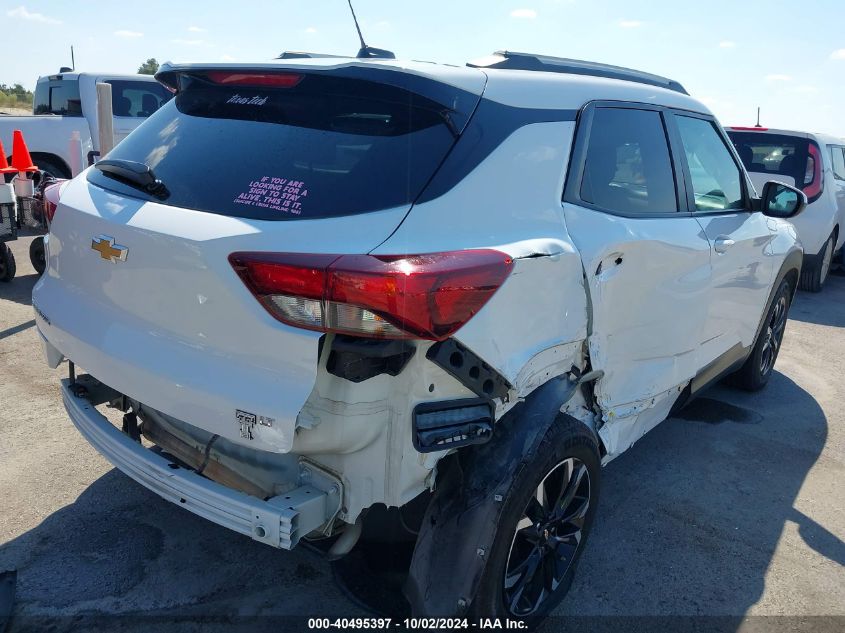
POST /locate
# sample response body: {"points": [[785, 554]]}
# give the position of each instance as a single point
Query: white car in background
{"points": [[815, 163]]}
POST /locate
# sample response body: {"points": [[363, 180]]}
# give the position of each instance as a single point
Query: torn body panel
{"points": [[644, 276], [622, 426], [542, 305]]}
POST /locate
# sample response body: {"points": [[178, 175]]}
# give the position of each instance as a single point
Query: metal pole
{"points": [[105, 120]]}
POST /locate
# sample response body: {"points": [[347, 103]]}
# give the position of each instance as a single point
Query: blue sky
{"points": [[786, 57]]}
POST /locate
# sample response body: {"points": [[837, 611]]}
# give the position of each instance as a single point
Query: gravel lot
{"points": [[735, 509]]}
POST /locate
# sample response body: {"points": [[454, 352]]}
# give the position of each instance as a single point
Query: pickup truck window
{"points": [[322, 147], [137, 99], [59, 97]]}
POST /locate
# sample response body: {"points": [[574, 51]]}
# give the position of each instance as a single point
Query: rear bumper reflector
{"points": [[279, 521]]}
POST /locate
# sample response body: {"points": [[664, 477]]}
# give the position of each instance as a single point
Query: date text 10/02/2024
{"points": [[386, 624]]}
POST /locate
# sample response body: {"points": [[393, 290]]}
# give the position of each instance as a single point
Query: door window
{"points": [[716, 178], [137, 98], [628, 168], [838, 156]]}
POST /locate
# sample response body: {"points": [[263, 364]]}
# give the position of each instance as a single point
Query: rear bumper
{"points": [[279, 521]]}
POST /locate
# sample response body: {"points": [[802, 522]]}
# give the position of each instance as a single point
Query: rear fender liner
{"points": [[467, 504]]}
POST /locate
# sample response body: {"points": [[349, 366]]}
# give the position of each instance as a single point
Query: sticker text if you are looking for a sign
{"points": [[279, 194]]}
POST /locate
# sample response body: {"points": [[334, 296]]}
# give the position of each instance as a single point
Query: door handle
{"points": [[722, 243]]}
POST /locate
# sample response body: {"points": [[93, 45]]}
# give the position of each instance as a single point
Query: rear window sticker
{"points": [[279, 194]]}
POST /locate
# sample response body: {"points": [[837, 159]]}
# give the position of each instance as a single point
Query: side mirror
{"points": [[782, 201]]}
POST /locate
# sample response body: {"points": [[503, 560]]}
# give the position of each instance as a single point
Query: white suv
{"points": [[321, 285], [816, 164]]}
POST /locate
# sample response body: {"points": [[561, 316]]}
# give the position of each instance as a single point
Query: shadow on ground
{"points": [[19, 289], [691, 516], [823, 308], [687, 526]]}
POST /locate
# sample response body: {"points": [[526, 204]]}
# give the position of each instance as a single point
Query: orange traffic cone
{"points": [[21, 160], [4, 165]]}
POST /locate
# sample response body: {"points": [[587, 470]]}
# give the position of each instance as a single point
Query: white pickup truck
{"points": [[67, 102]]}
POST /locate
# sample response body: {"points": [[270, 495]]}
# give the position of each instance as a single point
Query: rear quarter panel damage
{"points": [[534, 325]]}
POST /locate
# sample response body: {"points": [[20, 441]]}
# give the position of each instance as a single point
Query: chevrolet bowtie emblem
{"points": [[105, 246]]}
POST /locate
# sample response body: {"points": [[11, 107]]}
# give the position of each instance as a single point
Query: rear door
{"points": [[646, 262], [742, 269]]}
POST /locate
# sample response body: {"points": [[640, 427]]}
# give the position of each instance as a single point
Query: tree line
{"points": [[15, 96]]}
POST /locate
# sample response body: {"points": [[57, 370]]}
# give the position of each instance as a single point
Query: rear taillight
{"points": [[813, 172], [403, 296], [51, 198]]}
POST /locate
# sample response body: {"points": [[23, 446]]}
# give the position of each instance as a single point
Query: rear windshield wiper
{"points": [[137, 175]]}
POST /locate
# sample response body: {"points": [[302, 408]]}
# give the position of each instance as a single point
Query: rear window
{"points": [[321, 147], [138, 99], [57, 96], [773, 154]]}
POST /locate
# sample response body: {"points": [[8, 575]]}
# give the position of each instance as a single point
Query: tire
{"points": [[757, 369], [814, 276], [7, 264], [51, 166], [37, 255], [522, 543]]}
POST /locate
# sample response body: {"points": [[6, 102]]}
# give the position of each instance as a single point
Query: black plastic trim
{"points": [[719, 368], [491, 124], [464, 365], [358, 359], [466, 508], [478, 430]]}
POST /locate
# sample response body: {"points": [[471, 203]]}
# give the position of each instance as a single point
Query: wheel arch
{"points": [[54, 159], [790, 271], [471, 486]]}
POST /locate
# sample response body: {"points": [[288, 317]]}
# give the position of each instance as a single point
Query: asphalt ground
{"points": [[732, 514]]}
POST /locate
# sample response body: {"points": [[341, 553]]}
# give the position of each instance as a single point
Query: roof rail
{"points": [[545, 63], [305, 55]]}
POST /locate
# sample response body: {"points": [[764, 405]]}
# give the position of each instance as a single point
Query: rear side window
{"points": [[716, 178], [837, 155], [628, 168], [59, 96], [309, 146], [138, 99], [781, 155], [772, 154]]}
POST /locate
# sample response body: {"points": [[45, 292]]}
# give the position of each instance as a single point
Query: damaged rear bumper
{"points": [[278, 521]]}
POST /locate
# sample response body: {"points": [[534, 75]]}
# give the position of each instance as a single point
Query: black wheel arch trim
{"points": [[792, 263], [467, 505]]}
